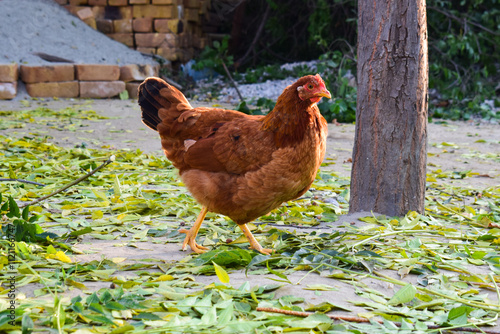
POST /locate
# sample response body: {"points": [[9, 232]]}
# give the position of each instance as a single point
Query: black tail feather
{"points": [[150, 101]]}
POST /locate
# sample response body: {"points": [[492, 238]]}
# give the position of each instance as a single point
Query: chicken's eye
{"points": [[310, 86]]}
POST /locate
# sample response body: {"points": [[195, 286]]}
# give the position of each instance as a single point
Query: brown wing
{"points": [[216, 140], [235, 147]]}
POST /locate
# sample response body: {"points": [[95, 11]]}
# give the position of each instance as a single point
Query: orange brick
{"points": [[164, 2], [53, 89], [161, 25], [126, 12], [132, 89], [196, 28], [146, 50], [163, 12], [47, 73], [167, 25], [192, 3], [139, 2], [105, 26], [78, 2], [85, 13], [73, 9], [185, 40], [118, 2], [192, 14], [9, 72], [204, 7], [98, 2], [143, 24], [193, 27], [97, 72], [195, 41], [112, 12], [171, 41], [171, 54], [122, 26], [101, 89], [127, 39], [150, 40], [99, 12], [8, 90], [91, 23], [200, 42], [134, 72]]}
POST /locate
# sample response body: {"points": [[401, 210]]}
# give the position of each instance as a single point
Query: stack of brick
{"points": [[170, 28], [134, 75], [99, 81], [49, 81], [68, 80], [8, 81]]}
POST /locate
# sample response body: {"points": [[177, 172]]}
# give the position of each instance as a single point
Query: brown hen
{"points": [[239, 165]]}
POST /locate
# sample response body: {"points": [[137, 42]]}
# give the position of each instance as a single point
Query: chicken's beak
{"points": [[324, 93]]}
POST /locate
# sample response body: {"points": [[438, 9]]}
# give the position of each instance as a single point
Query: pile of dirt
{"points": [[42, 26]]}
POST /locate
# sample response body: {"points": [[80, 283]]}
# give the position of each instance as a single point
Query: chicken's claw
{"points": [[190, 239], [254, 244], [193, 231], [265, 251]]}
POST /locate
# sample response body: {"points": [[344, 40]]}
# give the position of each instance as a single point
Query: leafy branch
{"points": [[23, 181], [86, 176], [397, 324]]}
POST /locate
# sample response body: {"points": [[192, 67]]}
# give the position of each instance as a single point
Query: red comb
{"points": [[320, 80]]}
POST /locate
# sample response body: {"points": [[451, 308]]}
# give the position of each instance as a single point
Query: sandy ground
{"points": [[453, 146], [462, 139]]}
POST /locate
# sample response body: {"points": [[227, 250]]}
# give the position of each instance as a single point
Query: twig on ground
{"points": [[24, 181], [104, 164], [492, 278], [173, 83], [362, 320], [232, 81], [446, 193], [52, 58]]}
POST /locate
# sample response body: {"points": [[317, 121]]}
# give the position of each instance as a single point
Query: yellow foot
{"points": [[254, 244], [190, 239], [265, 251]]}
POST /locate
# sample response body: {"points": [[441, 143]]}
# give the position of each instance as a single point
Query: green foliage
{"points": [[223, 256], [303, 29], [463, 43], [263, 106], [337, 71], [124, 95], [319, 28], [339, 78], [23, 226], [267, 72], [213, 57], [463, 57], [450, 254]]}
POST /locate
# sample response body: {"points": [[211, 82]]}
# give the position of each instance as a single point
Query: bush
{"points": [[464, 55]]}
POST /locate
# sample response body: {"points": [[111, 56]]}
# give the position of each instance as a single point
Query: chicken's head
{"points": [[313, 89]]}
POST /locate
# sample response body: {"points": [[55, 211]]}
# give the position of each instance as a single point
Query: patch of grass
{"points": [[450, 254]]}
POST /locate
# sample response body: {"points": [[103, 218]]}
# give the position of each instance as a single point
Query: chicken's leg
{"points": [[254, 244], [193, 231]]}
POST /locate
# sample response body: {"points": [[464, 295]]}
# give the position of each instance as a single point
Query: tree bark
{"points": [[390, 149]]}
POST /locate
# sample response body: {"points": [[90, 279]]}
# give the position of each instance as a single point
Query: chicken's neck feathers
{"points": [[290, 119]]}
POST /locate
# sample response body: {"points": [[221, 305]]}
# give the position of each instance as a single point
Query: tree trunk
{"points": [[390, 149]]}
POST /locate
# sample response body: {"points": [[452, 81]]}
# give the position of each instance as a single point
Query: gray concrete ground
{"points": [[124, 115]]}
